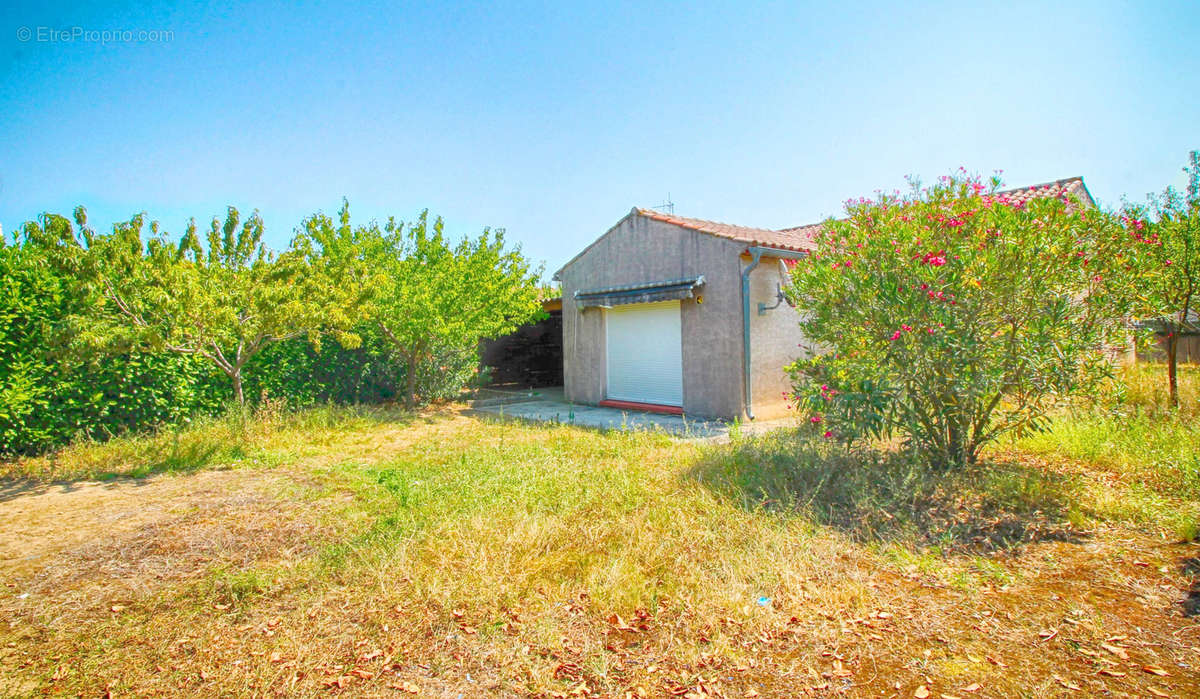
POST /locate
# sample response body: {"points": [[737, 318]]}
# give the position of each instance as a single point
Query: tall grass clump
{"points": [[879, 493], [1132, 430], [241, 436]]}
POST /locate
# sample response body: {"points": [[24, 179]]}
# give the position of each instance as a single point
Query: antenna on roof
{"points": [[667, 206]]}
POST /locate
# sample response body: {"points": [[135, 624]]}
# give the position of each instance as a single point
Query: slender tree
{"points": [[428, 296], [1169, 224]]}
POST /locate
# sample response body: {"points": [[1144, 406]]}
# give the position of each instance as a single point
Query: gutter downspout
{"points": [[756, 252]]}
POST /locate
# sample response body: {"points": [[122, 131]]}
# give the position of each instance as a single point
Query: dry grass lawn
{"points": [[379, 554]]}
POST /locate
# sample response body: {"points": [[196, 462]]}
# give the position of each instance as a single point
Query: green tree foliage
{"points": [[103, 334], [1169, 227], [953, 314], [48, 397], [430, 298], [224, 302], [296, 372]]}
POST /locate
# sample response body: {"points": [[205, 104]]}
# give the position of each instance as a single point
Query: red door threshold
{"points": [[644, 407]]}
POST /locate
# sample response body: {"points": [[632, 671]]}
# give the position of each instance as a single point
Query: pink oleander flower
{"points": [[828, 434], [815, 419], [895, 336]]}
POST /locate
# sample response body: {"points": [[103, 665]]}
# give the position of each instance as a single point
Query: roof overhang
{"points": [[649, 292]]}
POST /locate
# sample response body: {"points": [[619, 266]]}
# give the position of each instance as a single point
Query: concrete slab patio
{"points": [[549, 405]]}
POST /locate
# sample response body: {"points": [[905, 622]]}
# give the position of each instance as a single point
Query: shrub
{"points": [[303, 375], [955, 314]]}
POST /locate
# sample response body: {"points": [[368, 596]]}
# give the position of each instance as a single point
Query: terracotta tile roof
{"points": [[1072, 186], [745, 234], [800, 238]]}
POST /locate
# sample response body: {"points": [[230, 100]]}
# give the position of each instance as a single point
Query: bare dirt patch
{"points": [[82, 554], [41, 521]]}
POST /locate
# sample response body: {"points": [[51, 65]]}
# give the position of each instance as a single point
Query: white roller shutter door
{"points": [[645, 353]]}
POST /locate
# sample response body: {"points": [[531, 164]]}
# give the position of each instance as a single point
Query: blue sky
{"points": [[553, 119]]}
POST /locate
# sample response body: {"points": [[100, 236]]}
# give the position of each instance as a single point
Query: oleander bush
{"points": [[955, 314]]}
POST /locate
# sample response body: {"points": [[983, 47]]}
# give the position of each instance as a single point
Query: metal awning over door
{"points": [[649, 292]]}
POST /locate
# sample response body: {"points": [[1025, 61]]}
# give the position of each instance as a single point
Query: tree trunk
{"points": [[956, 448], [1172, 365], [410, 360], [410, 379], [237, 388]]}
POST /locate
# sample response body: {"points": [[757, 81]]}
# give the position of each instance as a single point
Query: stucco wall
{"points": [[639, 250], [776, 340]]}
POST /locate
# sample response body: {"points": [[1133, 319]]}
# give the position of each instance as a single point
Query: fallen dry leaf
{"points": [[922, 692], [366, 657], [1115, 650], [619, 624], [1155, 670], [1112, 673]]}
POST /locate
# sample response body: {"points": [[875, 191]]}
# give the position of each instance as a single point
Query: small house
{"points": [[683, 315]]}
